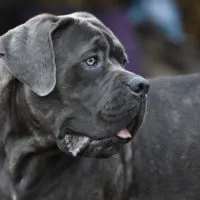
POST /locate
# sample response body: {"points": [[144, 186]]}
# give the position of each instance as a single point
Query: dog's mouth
{"points": [[77, 144]]}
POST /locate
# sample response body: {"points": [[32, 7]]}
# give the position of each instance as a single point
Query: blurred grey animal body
{"points": [[167, 147]]}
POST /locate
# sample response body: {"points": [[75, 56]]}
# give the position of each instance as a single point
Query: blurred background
{"points": [[162, 37]]}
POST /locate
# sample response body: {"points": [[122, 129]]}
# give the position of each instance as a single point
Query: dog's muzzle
{"points": [[77, 144], [125, 115]]}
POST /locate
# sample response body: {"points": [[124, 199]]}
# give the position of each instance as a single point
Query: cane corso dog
{"points": [[67, 105], [69, 110]]}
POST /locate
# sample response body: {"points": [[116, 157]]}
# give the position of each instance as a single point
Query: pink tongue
{"points": [[124, 134]]}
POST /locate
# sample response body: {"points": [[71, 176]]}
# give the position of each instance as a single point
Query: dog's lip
{"points": [[77, 143], [124, 133], [81, 144]]}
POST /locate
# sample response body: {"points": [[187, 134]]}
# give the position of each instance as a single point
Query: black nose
{"points": [[139, 85]]}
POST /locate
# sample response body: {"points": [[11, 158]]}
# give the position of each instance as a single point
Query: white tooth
{"points": [[76, 143], [74, 152]]}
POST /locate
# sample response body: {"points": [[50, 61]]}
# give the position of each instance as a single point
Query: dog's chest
{"points": [[98, 179]]}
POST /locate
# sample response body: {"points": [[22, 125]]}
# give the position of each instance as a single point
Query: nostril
{"points": [[139, 85], [139, 88]]}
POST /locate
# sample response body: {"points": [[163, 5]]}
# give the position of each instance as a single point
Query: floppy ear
{"points": [[27, 51]]}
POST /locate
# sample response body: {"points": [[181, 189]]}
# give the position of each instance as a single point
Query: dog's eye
{"points": [[91, 61]]}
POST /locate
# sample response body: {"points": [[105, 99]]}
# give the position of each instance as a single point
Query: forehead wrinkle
{"points": [[118, 51], [114, 43], [93, 41], [115, 46], [96, 43]]}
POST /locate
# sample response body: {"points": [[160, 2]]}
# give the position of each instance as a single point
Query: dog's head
{"points": [[72, 72]]}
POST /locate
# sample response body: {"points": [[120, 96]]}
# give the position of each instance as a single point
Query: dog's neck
{"points": [[22, 149], [29, 160]]}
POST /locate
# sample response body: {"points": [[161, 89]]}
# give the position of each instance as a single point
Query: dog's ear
{"points": [[27, 52]]}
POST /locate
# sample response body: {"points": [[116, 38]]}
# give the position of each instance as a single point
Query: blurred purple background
{"points": [[152, 31]]}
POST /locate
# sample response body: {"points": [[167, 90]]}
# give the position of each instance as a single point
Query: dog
{"points": [[68, 110]]}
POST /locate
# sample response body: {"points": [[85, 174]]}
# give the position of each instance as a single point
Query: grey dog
{"points": [[69, 110], [67, 104]]}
